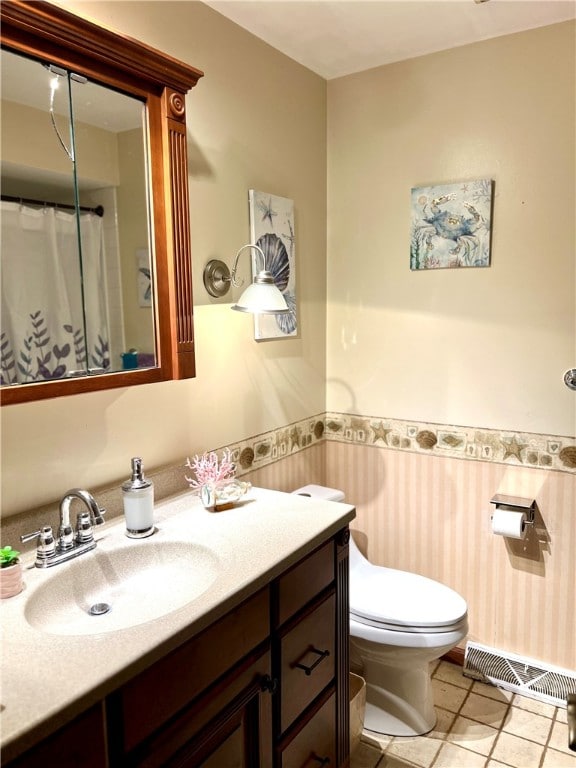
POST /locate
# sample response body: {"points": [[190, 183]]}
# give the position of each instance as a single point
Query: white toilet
{"points": [[399, 623]]}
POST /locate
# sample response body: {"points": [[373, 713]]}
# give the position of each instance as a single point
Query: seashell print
{"points": [[568, 456], [287, 323], [246, 458], [426, 439], [276, 258], [318, 429], [452, 440]]}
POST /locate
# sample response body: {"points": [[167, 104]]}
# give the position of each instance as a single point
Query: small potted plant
{"points": [[10, 572], [215, 480]]}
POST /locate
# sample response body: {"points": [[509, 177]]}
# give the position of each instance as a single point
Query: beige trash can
{"points": [[357, 709]]}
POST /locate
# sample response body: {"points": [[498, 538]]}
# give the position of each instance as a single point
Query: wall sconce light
{"points": [[262, 295]]}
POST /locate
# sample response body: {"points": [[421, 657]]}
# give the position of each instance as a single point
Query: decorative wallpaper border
{"points": [[492, 445], [268, 447]]}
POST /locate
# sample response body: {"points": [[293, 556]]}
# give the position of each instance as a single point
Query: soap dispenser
{"points": [[138, 497]]}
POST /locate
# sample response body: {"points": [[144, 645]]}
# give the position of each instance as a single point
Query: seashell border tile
{"points": [[527, 449]]}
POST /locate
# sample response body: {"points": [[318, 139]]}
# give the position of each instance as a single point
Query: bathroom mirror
{"points": [[96, 253], [74, 227]]}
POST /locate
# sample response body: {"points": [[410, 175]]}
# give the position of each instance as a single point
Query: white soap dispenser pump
{"points": [[138, 498]]}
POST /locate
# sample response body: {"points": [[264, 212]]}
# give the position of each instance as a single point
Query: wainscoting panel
{"points": [[300, 468], [431, 515]]}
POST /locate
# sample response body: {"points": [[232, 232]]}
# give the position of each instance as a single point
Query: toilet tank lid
{"points": [[320, 492]]}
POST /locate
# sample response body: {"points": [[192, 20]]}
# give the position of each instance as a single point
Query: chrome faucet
{"points": [[70, 543]]}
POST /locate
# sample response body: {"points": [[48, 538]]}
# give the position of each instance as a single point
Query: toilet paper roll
{"points": [[508, 523]]}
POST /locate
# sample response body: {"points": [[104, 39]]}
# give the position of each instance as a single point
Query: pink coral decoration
{"points": [[209, 469]]}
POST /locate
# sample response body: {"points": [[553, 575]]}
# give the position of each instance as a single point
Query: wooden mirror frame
{"points": [[45, 31]]}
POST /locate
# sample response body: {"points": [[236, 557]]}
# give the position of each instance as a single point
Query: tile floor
{"points": [[479, 726]]}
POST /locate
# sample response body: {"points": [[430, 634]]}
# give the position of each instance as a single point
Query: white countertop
{"points": [[47, 679]]}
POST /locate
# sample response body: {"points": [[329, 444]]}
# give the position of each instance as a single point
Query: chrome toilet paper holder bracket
{"points": [[517, 504]]}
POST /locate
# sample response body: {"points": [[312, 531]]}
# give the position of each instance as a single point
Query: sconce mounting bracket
{"points": [[570, 378], [217, 278]]}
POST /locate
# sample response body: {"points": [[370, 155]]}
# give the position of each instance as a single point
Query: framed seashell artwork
{"points": [[451, 225], [272, 230]]}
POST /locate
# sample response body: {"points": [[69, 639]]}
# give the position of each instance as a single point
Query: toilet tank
{"points": [[320, 492]]}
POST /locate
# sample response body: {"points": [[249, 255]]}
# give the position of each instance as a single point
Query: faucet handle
{"points": [[99, 518], [83, 528], [46, 547]]}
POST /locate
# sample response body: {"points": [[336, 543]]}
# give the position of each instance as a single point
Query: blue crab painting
{"points": [[451, 225]]}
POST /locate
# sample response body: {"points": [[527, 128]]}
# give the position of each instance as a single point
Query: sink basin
{"points": [[111, 590]]}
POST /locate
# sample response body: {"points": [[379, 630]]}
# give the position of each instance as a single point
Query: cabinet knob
{"points": [[269, 684], [308, 669]]}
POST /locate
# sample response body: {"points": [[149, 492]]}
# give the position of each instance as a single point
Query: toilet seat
{"points": [[396, 600], [457, 627]]}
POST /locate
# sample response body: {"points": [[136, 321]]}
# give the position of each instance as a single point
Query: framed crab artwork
{"points": [[451, 225], [272, 229]]}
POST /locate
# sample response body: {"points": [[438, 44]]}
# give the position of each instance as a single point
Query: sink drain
{"points": [[98, 609]]}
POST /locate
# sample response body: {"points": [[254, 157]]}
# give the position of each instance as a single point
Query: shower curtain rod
{"points": [[98, 210]]}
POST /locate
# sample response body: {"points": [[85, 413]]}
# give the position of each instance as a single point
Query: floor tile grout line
{"points": [[449, 730], [500, 730], [547, 745]]}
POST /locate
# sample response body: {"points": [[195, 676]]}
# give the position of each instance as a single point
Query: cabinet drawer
{"points": [[162, 690], [307, 660], [316, 742], [304, 581]]}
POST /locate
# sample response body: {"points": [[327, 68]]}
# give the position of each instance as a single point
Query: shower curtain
{"points": [[51, 328]]}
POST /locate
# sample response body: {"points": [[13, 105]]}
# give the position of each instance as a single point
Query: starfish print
{"points": [[291, 237], [267, 211], [513, 448], [294, 438], [380, 432]]}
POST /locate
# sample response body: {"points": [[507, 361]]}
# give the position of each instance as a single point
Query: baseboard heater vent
{"points": [[516, 673]]}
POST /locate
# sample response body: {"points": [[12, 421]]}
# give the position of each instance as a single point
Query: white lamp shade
{"points": [[261, 298]]}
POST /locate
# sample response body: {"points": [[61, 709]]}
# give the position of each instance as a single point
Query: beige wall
{"points": [[257, 120], [133, 236], [481, 348], [478, 347], [37, 148]]}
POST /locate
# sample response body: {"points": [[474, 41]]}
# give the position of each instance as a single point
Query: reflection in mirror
{"points": [[127, 158], [77, 294]]}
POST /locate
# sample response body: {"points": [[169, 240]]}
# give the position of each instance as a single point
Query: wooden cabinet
{"points": [[211, 696], [227, 727], [307, 652], [170, 685], [310, 636], [80, 743], [315, 744], [265, 686]]}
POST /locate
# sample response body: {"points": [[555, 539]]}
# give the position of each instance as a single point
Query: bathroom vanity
{"points": [[252, 671]]}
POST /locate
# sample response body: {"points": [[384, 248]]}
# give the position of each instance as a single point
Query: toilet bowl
{"points": [[399, 623]]}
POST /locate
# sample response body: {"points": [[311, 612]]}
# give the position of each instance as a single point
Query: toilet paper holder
{"points": [[516, 503]]}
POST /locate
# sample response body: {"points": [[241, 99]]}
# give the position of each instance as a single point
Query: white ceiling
{"points": [[338, 37]]}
